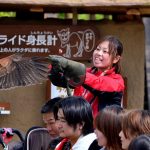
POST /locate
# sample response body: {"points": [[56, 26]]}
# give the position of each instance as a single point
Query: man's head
{"points": [[74, 117], [48, 116]]}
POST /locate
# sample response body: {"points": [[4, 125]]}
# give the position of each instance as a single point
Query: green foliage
{"points": [[83, 17], [7, 14], [61, 15], [86, 16], [99, 16], [110, 17], [102, 16]]}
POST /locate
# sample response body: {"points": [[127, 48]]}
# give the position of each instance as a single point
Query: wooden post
{"points": [[75, 16]]}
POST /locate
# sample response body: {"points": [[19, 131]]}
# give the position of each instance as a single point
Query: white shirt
{"points": [[84, 142]]}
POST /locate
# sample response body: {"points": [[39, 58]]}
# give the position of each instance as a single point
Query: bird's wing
{"points": [[16, 70]]}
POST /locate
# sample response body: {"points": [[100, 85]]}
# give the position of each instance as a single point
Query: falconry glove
{"points": [[73, 71]]}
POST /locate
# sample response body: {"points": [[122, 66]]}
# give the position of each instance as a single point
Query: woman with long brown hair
{"points": [[108, 126]]}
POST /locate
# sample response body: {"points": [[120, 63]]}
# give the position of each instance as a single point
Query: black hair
{"points": [[141, 142], [115, 48], [76, 110], [49, 105]]}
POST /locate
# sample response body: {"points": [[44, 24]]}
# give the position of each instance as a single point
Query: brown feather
{"points": [[16, 70]]}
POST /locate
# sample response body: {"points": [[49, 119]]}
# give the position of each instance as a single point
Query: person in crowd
{"points": [[75, 123], [38, 137], [102, 84], [50, 122], [108, 126], [134, 123], [48, 116], [141, 142]]}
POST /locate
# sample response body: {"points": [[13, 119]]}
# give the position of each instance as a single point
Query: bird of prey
{"points": [[17, 70]]}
